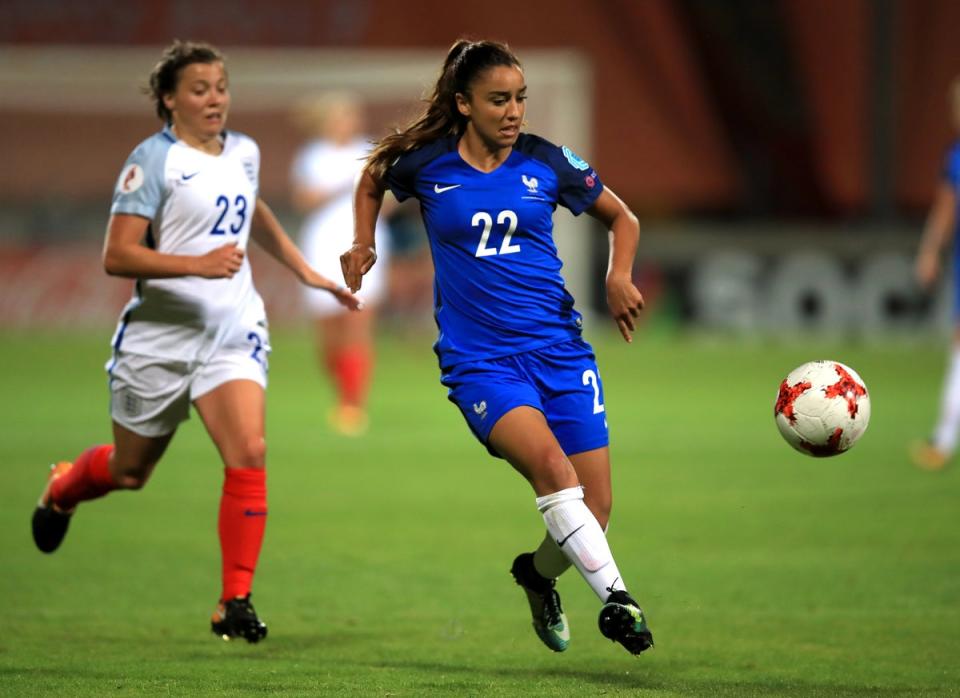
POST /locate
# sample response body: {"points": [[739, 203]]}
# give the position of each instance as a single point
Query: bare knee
{"points": [[552, 472], [132, 477], [251, 453], [599, 504], [601, 512]]}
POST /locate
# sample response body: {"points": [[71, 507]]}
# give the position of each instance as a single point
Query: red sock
{"points": [[89, 478], [351, 369], [243, 518]]}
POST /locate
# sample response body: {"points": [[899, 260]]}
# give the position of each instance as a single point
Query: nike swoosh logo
{"points": [[251, 512], [186, 176], [437, 188], [561, 542]]}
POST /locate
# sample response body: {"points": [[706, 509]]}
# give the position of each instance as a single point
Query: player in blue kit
{"points": [[510, 346], [940, 229]]}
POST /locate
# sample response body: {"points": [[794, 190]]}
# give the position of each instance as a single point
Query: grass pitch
{"points": [[385, 566]]}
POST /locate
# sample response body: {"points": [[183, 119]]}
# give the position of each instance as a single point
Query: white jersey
{"points": [[195, 202], [328, 231]]}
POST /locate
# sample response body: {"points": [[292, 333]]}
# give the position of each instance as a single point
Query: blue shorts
{"points": [[561, 381]]}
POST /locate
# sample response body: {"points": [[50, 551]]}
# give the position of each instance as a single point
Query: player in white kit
{"points": [[322, 178], [185, 206]]}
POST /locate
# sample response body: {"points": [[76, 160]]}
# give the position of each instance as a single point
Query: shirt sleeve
{"points": [[951, 168], [578, 184], [140, 187], [401, 175]]}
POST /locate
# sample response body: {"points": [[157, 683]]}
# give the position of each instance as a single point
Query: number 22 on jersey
{"points": [[482, 218]]}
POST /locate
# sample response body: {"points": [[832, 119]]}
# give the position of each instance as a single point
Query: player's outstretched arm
{"points": [[362, 255], [124, 254], [623, 298], [936, 234], [267, 232]]}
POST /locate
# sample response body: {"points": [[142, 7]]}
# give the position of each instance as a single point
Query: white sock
{"points": [[578, 535], [549, 561], [948, 427]]}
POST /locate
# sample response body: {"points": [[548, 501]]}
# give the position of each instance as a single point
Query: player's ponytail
{"points": [[464, 62]]}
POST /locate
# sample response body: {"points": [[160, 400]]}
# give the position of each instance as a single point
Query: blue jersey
{"points": [[951, 172], [951, 167], [951, 176], [497, 286]]}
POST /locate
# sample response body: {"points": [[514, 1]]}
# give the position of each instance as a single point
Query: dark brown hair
{"points": [[166, 73], [464, 62]]}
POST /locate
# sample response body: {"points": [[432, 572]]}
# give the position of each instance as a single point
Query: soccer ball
{"points": [[822, 408]]}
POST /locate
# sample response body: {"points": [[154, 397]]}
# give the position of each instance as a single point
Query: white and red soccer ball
{"points": [[822, 408]]}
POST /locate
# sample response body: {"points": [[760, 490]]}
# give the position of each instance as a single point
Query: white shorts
{"points": [[324, 240], [151, 396]]}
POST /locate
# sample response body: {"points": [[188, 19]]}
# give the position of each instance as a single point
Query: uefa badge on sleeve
{"points": [[131, 179]]}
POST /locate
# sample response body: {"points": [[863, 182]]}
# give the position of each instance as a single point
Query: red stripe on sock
{"points": [[88, 479], [243, 520]]}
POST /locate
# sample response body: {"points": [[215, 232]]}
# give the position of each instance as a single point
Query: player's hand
{"points": [[625, 302], [927, 269], [221, 263], [341, 293], [356, 262], [346, 299]]}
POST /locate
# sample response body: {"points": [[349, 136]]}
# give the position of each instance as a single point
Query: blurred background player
{"points": [[939, 232], [184, 208], [324, 173], [510, 345]]}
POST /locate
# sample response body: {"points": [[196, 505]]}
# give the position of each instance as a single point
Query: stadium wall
{"points": [[763, 280]]}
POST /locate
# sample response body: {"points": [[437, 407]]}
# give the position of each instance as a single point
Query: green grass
{"points": [[384, 571]]}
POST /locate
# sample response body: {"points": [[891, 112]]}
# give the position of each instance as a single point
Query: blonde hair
{"points": [[312, 114]]}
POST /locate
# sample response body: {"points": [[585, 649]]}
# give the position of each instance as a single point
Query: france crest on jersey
{"points": [[498, 289]]}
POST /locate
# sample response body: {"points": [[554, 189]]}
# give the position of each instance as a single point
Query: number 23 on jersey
{"points": [[232, 217]]}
